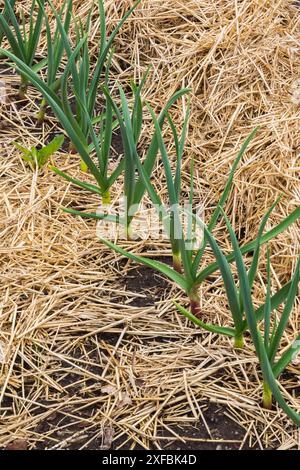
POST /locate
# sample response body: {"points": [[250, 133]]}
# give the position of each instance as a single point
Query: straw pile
{"points": [[87, 357]]}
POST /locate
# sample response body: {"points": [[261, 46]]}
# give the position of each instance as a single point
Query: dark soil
{"points": [[222, 428], [144, 280], [293, 388], [117, 144], [61, 427]]}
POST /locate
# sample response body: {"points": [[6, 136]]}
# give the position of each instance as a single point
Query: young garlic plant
{"points": [[86, 79], [235, 299], [23, 41], [55, 50], [37, 158], [267, 346], [272, 337], [82, 128], [240, 302], [186, 260], [130, 126]]}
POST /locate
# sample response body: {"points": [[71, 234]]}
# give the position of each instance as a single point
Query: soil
{"points": [[151, 285], [117, 144], [223, 431], [293, 388], [222, 428], [144, 280]]}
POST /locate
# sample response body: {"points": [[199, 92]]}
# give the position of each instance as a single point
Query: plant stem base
{"points": [[106, 199], [195, 307], [267, 396], [129, 232], [177, 265], [83, 166], [195, 302], [42, 112], [239, 342], [72, 149], [22, 91]]}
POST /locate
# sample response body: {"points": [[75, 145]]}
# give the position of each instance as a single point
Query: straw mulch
{"points": [[92, 354]]}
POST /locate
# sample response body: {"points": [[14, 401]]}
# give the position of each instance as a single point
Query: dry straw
{"points": [[78, 348]]}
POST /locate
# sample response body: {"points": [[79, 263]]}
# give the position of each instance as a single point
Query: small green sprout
{"points": [[37, 158]]}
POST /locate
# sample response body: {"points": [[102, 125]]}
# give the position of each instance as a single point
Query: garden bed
{"points": [[95, 355]]}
